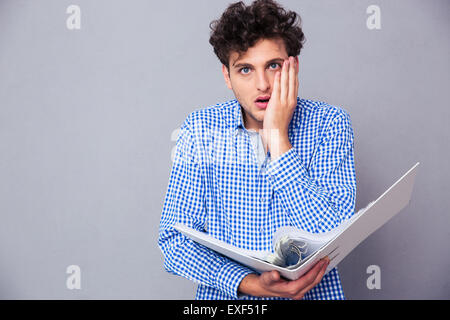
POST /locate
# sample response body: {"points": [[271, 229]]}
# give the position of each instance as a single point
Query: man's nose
{"points": [[262, 82]]}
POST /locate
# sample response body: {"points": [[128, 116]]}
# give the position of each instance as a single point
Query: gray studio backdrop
{"points": [[91, 95]]}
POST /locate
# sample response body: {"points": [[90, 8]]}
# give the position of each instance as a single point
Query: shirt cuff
{"points": [[287, 168], [230, 276]]}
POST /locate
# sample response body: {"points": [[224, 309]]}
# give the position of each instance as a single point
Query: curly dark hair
{"points": [[241, 26]]}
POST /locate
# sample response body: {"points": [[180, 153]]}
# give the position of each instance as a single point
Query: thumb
{"points": [[270, 277]]}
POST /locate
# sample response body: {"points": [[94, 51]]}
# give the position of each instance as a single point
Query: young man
{"points": [[267, 159]]}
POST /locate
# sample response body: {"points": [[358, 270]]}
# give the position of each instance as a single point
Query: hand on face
{"points": [[280, 108]]}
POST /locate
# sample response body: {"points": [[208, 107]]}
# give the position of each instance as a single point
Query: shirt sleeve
{"points": [[319, 198], [185, 203]]}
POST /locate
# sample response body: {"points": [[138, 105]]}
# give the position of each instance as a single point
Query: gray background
{"points": [[86, 118]]}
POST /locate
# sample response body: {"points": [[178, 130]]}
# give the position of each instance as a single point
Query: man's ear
{"points": [[226, 76]]}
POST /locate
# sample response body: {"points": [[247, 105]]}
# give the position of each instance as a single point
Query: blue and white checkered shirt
{"points": [[216, 186]]}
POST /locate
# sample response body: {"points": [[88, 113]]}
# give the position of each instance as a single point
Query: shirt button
{"points": [[262, 199], [261, 229]]}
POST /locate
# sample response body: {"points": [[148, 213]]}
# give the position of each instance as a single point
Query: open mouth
{"points": [[262, 102]]}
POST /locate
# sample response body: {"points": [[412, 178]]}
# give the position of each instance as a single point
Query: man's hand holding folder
{"points": [[271, 284]]}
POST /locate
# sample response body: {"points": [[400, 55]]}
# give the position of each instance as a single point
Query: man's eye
{"points": [[274, 65], [243, 70]]}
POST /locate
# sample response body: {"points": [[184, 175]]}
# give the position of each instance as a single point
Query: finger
{"points": [[318, 277], [308, 278], [276, 87], [275, 276], [284, 82], [292, 81], [312, 274], [269, 278]]}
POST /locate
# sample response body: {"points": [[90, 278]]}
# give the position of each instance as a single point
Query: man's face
{"points": [[251, 76]]}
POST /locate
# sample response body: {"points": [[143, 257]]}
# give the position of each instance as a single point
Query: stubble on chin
{"points": [[258, 117]]}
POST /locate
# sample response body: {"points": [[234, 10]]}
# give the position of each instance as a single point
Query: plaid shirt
{"points": [[217, 186]]}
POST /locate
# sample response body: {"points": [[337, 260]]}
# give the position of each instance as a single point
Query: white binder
{"points": [[336, 244]]}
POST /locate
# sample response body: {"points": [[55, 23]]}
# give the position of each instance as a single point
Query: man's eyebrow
{"points": [[243, 64]]}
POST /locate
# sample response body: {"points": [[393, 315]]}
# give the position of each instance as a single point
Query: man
{"points": [[267, 159]]}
